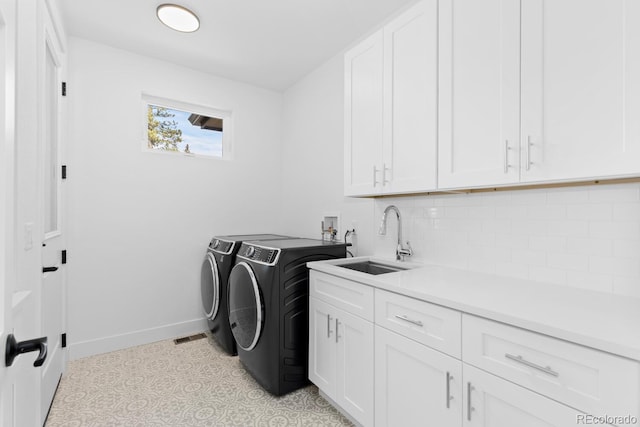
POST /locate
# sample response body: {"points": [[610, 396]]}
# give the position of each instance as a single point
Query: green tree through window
{"points": [[163, 132]]}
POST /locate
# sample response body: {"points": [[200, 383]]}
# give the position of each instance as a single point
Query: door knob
{"points": [[14, 349]]}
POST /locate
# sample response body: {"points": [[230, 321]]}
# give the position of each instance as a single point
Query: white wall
{"points": [[312, 159], [139, 222]]}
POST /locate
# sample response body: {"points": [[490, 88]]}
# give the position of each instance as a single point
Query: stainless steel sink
{"points": [[372, 267]]}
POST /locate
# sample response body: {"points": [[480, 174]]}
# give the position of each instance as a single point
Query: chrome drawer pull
{"points": [[406, 319], [547, 370], [470, 407], [449, 397]]}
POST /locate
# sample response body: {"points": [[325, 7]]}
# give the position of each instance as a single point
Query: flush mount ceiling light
{"points": [[178, 18]]}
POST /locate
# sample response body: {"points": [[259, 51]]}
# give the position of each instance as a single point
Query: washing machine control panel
{"points": [[221, 246], [260, 254]]}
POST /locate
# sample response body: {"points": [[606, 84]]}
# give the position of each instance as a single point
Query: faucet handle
{"points": [[402, 252]]}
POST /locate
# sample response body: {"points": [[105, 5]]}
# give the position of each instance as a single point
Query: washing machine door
{"points": [[210, 286], [245, 306]]}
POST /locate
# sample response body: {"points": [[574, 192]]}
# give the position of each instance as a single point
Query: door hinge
{"points": [[64, 256], [64, 340], [64, 88], [64, 172]]}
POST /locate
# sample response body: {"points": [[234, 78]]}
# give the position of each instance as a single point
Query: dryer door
{"points": [[245, 306], [210, 286]]}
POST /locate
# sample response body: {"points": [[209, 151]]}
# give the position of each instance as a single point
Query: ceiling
{"points": [[267, 43]]}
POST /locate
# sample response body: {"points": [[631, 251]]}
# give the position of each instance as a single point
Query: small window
{"points": [[179, 128]]}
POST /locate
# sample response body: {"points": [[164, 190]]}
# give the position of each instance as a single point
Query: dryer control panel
{"points": [[260, 254], [221, 246]]}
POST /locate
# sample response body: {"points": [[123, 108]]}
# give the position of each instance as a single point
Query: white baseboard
{"points": [[118, 342]]}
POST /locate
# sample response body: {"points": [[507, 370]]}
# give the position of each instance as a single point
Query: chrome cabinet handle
{"points": [[546, 369], [506, 156], [384, 174], [375, 171], [529, 144], [337, 324], [406, 319], [470, 408], [329, 326], [449, 397]]}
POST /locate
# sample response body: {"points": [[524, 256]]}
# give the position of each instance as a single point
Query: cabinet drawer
{"points": [[589, 380], [352, 297], [429, 324]]}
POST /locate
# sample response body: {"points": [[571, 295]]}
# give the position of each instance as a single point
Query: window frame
{"points": [[225, 115]]}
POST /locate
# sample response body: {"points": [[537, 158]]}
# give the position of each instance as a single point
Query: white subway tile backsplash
{"points": [[626, 212], [479, 237], [568, 228], [510, 212], [546, 212], [516, 241], [556, 276], [623, 267], [627, 249], [568, 261], [590, 246], [526, 256], [547, 243], [530, 226], [591, 211], [511, 269], [586, 237], [615, 194], [568, 196], [482, 212], [626, 286], [614, 229]]}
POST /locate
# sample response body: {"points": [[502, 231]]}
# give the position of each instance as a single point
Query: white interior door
{"points": [[19, 381], [53, 276]]}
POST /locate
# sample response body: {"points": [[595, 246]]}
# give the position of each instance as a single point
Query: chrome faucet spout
{"points": [[401, 251]]}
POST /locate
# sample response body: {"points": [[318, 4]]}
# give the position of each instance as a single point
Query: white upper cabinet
{"points": [[538, 91], [391, 98], [479, 104], [411, 95], [363, 117], [580, 89], [457, 94]]}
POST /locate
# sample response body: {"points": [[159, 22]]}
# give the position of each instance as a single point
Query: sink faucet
{"points": [[401, 251]]}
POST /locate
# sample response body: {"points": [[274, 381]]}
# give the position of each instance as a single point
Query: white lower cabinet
{"points": [[491, 401], [415, 385], [505, 376], [341, 358]]}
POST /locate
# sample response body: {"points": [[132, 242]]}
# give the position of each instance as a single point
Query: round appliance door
{"points": [[245, 306], [210, 286]]}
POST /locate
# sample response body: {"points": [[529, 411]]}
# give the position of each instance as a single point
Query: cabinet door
{"points": [[363, 117], [411, 100], [580, 88], [354, 373], [479, 127], [322, 348], [415, 383], [495, 402]]}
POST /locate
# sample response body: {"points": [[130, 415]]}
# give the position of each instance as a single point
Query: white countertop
{"points": [[606, 322]]}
